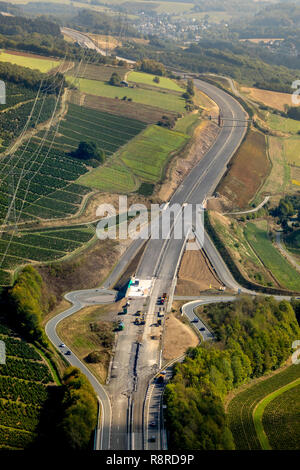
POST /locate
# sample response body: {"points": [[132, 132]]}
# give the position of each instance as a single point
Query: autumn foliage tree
{"points": [[80, 410]]}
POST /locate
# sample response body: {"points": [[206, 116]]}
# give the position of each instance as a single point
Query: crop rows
{"points": [[17, 348], [23, 391], [19, 415], [41, 245], [109, 131], [240, 409], [15, 438], [20, 390], [281, 420], [14, 119], [17, 94], [27, 370]]}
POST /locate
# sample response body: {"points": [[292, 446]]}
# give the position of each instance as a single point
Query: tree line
{"points": [[31, 79]]}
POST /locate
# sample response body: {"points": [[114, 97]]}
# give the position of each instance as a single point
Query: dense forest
{"points": [[280, 20], [31, 79], [13, 25], [254, 336]]}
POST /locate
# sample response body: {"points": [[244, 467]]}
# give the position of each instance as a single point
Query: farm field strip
{"points": [[147, 78], [147, 114], [142, 159], [238, 185], [259, 411], [280, 123], [24, 383], [41, 64], [98, 72], [43, 246], [281, 419], [257, 236], [153, 98], [292, 150], [241, 407]]}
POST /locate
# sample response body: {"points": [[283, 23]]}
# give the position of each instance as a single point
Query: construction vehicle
{"points": [[160, 379], [140, 320], [121, 326]]}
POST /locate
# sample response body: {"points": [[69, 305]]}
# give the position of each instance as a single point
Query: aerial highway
{"points": [[79, 300], [138, 353]]}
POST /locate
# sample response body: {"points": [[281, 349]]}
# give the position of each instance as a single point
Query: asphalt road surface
{"points": [[80, 299], [161, 256]]}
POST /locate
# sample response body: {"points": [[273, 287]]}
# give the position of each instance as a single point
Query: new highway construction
{"points": [[138, 357]]}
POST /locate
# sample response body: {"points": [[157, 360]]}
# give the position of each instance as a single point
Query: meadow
{"points": [[278, 179], [240, 409], [159, 99], [30, 61], [279, 123], [257, 235], [292, 150], [147, 79], [142, 159], [24, 383], [98, 72]]}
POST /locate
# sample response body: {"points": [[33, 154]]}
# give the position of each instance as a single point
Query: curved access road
{"points": [[80, 299]]}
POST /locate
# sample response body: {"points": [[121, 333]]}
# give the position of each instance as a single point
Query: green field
{"points": [[143, 159], [292, 150], [280, 419], [147, 79], [108, 131], [279, 123], [158, 99], [279, 177], [187, 123], [257, 235], [113, 177], [241, 407], [258, 414], [44, 65]]}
